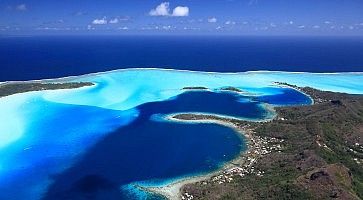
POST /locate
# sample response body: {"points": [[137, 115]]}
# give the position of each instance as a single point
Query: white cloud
{"points": [[166, 27], [316, 26], [21, 7], [212, 20], [164, 10], [302, 26], [180, 11], [100, 21], [113, 21], [230, 22], [160, 10], [125, 28]]}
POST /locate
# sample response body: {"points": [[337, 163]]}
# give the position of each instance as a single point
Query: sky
{"points": [[236, 17]]}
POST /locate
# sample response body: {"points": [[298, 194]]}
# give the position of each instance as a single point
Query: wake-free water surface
{"points": [[93, 142]]}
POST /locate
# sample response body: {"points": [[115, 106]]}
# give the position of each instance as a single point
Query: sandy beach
{"points": [[241, 165]]}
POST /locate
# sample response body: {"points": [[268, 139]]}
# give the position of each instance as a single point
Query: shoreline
{"points": [[298, 89], [246, 158], [9, 89], [319, 158]]}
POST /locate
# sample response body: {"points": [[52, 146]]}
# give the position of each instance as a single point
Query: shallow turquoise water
{"points": [[95, 140]]}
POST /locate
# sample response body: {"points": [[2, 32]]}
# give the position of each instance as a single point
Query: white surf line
{"points": [[180, 70]]}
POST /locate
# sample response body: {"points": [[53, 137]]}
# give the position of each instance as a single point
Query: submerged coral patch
{"points": [[112, 133]]}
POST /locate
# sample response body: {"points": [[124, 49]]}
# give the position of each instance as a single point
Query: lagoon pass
{"points": [[44, 135]]}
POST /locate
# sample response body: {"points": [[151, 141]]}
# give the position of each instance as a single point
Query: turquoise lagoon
{"points": [[96, 141]]}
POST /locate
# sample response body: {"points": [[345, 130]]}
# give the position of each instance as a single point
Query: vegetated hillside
{"points": [[322, 156]]}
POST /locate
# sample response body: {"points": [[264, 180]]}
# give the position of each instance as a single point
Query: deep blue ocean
{"points": [[25, 58]]}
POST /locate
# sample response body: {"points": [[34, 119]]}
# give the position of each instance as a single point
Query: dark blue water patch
{"points": [[222, 103], [145, 150], [287, 97], [148, 150], [25, 58]]}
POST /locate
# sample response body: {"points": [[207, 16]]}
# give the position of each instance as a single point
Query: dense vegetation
{"points": [[195, 88], [322, 155], [14, 88]]}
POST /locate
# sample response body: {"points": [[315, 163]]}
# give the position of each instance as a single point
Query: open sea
{"points": [[28, 58]]}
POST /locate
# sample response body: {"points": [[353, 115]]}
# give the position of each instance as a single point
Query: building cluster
{"points": [[187, 196], [258, 147], [244, 165], [360, 147]]}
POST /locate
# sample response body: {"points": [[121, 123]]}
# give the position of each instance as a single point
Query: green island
{"points": [[7, 89], [306, 152], [195, 88], [232, 89]]}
